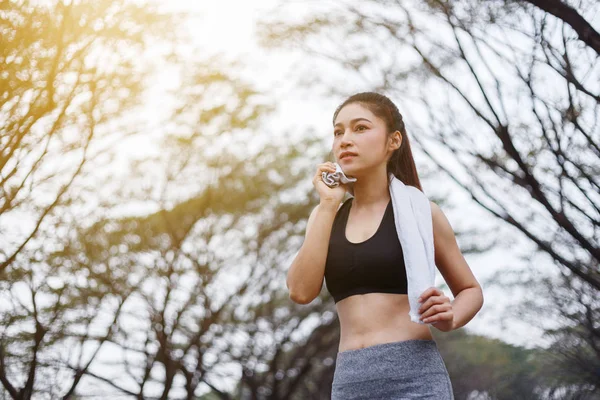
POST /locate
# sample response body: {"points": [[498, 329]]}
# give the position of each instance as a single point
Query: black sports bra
{"points": [[375, 265]]}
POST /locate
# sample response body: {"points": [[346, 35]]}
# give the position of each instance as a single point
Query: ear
{"points": [[396, 140]]}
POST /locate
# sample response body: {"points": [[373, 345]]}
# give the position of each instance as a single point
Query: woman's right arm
{"points": [[306, 274]]}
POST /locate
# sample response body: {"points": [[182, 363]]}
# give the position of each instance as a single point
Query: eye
{"points": [[358, 126], [336, 133]]}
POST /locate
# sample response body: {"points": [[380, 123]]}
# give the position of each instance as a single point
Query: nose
{"points": [[345, 138]]}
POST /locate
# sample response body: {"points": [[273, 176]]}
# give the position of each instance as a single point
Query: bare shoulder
{"points": [[441, 224], [436, 212], [434, 208]]}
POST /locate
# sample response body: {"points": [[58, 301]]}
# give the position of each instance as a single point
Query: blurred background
{"points": [[155, 182]]}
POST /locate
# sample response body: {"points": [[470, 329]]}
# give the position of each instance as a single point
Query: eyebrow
{"points": [[353, 121]]}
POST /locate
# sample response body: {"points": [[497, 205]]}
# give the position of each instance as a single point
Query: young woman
{"points": [[354, 248]]}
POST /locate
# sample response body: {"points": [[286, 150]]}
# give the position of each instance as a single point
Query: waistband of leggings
{"points": [[400, 345]]}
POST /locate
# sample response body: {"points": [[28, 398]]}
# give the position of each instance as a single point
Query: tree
{"points": [[127, 303], [71, 72], [568, 14]]}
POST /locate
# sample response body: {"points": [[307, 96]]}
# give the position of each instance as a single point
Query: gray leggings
{"points": [[408, 369]]}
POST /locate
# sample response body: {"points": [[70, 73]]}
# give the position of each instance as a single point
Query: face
{"points": [[357, 130]]}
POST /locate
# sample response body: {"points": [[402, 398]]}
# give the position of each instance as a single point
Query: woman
{"points": [[354, 248]]}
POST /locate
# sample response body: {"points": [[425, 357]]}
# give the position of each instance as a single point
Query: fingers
{"points": [[434, 300], [436, 309], [434, 305], [324, 167], [429, 292], [428, 305], [440, 317]]}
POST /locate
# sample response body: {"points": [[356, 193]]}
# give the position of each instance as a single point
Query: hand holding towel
{"points": [[333, 179]]}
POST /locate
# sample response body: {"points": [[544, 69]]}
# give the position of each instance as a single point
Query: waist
{"points": [[375, 318]]}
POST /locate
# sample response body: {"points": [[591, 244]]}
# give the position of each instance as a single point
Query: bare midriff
{"points": [[376, 318]]}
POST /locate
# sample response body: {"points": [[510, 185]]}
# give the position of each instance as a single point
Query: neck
{"points": [[371, 189]]}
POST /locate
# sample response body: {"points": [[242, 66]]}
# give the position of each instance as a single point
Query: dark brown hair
{"points": [[401, 162]]}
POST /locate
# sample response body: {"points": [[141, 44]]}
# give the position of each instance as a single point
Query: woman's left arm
{"points": [[436, 308]]}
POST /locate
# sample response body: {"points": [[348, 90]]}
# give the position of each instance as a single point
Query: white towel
{"points": [[412, 216], [332, 179]]}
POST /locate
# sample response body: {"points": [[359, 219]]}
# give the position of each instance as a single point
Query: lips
{"points": [[347, 154]]}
